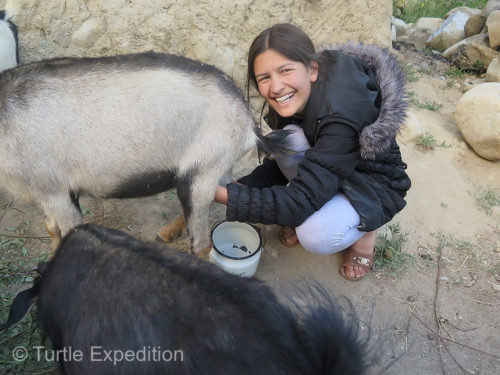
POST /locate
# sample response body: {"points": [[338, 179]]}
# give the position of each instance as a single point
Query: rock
{"points": [[400, 26], [474, 25], [473, 53], [449, 33], [493, 24], [481, 38], [490, 7], [424, 28], [468, 284], [478, 118], [493, 72], [466, 10]]}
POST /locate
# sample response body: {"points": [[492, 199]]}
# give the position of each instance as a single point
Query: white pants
{"points": [[334, 226]]}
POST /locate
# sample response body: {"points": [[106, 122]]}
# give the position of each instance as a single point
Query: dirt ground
{"points": [[454, 295]]}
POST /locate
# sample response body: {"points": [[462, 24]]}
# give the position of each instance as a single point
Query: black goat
{"points": [[105, 294]]}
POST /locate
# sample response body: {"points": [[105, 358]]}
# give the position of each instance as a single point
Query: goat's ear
{"points": [[21, 305]]}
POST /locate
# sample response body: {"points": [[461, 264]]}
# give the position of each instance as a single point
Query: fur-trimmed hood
{"points": [[377, 137]]}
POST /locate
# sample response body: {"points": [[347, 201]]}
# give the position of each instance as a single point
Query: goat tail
{"points": [[331, 332], [275, 142]]}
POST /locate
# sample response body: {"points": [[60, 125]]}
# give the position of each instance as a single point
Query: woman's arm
{"points": [[265, 175], [319, 177]]}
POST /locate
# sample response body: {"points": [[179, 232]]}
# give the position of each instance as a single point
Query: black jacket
{"points": [[351, 121]]}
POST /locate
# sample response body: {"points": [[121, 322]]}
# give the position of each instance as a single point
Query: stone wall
{"points": [[217, 32]]}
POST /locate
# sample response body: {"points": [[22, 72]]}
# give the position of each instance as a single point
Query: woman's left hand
{"points": [[220, 195]]}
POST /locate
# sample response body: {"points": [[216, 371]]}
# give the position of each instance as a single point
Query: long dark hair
{"points": [[291, 42]]}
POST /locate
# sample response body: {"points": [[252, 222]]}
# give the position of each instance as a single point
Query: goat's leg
{"points": [[196, 193], [61, 215], [172, 230], [54, 232]]}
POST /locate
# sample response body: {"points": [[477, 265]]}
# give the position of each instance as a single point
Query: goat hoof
{"points": [[169, 238]]}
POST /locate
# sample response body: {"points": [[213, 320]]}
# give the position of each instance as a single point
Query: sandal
{"points": [[355, 258], [284, 241]]}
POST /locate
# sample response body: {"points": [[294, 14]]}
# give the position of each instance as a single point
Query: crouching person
{"points": [[346, 178], [130, 307]]}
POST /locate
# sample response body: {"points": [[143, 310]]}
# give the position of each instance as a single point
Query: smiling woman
{"points": [[345, 177]]}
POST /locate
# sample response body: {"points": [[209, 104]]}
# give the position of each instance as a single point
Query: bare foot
{"points": [[288, 237]]}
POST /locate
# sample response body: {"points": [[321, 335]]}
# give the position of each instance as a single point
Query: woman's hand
{"points": [[220, 195]]}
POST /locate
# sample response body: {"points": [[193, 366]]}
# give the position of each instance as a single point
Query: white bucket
{"points": [[236, 247]]}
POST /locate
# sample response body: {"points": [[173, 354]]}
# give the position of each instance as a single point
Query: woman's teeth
{"points": [[284, 98]]}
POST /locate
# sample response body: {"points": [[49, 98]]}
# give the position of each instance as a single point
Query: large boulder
{"points": [[493, 72], [474, 25], [473, 53], [490, 7], [468, 11], [493, 23], [424, 28], [400, 26], [478, 118], [450, 32]]}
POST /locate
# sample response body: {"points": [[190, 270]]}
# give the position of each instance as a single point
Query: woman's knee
{"points": [[329, 241], [331, 229]]}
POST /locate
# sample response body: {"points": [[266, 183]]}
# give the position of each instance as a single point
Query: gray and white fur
{"points": [[123, 126], [377, 137]]}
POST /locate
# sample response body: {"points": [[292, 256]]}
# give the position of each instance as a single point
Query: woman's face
{"points": [[285, 84]]}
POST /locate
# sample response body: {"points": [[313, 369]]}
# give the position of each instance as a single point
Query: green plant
{"points": [[458, 247], [496, 269], [478, 67], [449, 84], [24, 335], [486, 198], [410, 72], [172, 194], [86, 211], [454, 72], [427, 141], [17, 263], [16, 268], [429, 105], [389, 256]]}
